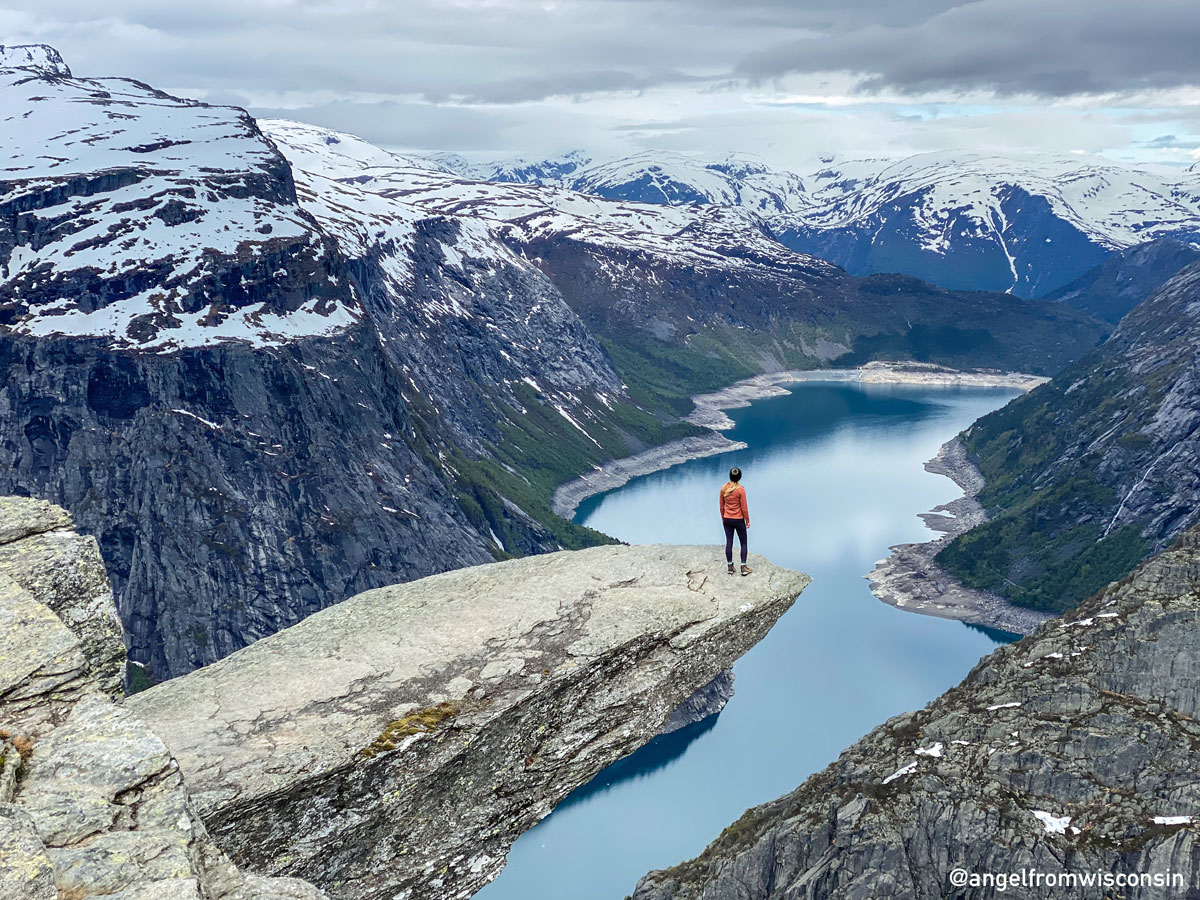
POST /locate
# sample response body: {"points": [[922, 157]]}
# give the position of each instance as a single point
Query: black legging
{"points": [[732, 525]]}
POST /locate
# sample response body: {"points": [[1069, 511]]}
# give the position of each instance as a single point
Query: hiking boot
{"points": [[746, 570], [731, 568]]}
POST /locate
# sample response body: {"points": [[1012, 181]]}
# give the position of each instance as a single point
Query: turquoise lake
{"points": [[834, 476]]}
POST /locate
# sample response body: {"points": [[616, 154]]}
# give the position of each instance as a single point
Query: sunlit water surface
{"points": [[834, 476]]}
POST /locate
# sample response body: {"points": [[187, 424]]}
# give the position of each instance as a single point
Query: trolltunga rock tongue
{"points": [[396, 744]]}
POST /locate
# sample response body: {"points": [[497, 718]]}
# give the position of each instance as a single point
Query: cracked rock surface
{"points": [[91, 802], [1073, 751], [396, 744]]}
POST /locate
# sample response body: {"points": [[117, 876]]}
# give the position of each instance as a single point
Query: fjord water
{"points": [[834, 476]]}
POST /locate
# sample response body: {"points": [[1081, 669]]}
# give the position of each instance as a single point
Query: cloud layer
{"points": [[788, 79]]}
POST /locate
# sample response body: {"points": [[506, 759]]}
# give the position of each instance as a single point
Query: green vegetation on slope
{"points": [[1052, 461]]}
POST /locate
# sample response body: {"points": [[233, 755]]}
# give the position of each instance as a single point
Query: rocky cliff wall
{"points": [[91, 802], [396, 744], [1071, 752]]}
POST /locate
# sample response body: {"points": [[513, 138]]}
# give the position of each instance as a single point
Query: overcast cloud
{"points": [[790, 80]]}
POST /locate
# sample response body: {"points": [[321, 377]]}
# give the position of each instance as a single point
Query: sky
{"points": [[787, 79]]}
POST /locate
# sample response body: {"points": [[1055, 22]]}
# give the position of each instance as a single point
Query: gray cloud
{"points": [[1047, 47], [539, 76]]}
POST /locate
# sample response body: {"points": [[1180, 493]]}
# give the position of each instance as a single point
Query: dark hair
{"points": [[735, 474]]}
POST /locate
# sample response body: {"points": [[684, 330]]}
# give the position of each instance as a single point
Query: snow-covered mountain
{"points": [[676, 179], [153, 221], [1019, 224], [516, 170], [39, 57]]}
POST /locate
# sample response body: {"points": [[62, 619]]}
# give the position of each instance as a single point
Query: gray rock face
{"points": [[1073, 751], [91, 801], [706, 701], [396, 744], [41, 553]]}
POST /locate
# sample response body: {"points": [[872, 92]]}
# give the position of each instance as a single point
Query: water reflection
{"points": [[661, 752]]}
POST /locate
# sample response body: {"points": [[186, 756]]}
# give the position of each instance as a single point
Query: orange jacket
{"points": [[733, 502]]}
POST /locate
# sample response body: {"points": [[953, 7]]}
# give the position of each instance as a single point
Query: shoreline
{"points": [[910, 578], [618, 472], [709, 413]]}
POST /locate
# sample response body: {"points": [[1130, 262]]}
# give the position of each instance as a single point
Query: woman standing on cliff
{"points": [[735, 516]]}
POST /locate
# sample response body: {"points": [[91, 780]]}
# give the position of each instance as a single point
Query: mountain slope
{"points": [[1126, 278], [1091, 472], [1067, 756]]}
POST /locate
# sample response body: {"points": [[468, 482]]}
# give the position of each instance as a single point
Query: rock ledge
{"points": [[396, 744]]}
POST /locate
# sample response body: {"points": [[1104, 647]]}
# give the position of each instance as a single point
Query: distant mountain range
{"points": [[1026, 225]]}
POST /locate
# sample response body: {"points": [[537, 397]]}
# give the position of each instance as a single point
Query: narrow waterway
{"points": [[834, 475]]}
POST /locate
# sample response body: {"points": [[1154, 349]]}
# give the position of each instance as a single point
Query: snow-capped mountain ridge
{"points": [[701, 236], [152, 221], [963, 220], [41, 58]]}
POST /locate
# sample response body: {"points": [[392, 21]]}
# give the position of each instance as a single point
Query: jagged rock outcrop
{"points": [[396, 744], [91, 802], [41, 553], [1073, 751]]}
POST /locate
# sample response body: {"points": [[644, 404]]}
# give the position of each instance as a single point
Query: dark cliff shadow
{"points": [[998, 635], [653, 757]]}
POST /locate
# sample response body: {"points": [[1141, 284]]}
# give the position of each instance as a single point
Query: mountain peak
{"points": [[40, 57]]}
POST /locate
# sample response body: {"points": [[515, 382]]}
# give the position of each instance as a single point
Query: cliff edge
{"points": [[1070, 753]]}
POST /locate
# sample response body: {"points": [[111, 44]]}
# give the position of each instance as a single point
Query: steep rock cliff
{"points": [[91, 802], [396, 744], [1072, 752], [257, 418]]}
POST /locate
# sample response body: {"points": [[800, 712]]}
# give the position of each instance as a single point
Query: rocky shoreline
{"points": [[710, 413], [910, 579], [614, 474]]}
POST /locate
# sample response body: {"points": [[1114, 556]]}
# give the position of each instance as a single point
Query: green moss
{"points": [[137, 677], [421, 721]]}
